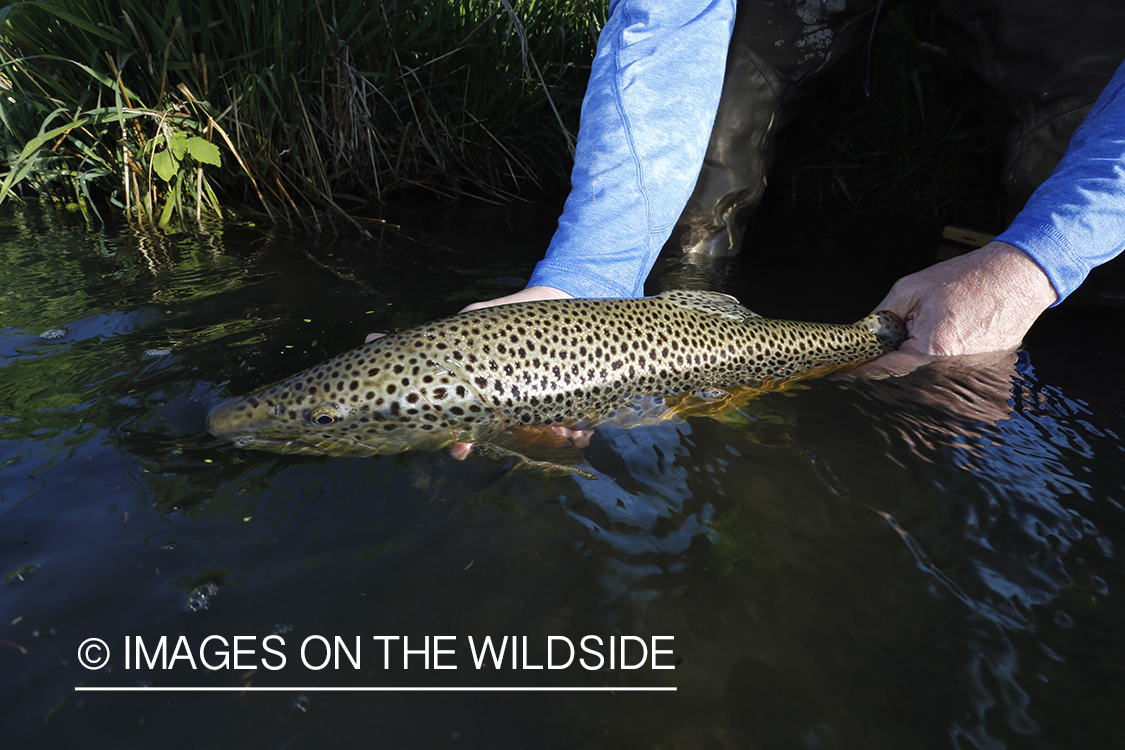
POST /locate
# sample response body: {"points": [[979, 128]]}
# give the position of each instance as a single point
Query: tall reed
{"points": [[173, 109]]}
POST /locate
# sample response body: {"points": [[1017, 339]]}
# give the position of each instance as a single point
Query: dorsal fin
{"points": [[712, 303]]}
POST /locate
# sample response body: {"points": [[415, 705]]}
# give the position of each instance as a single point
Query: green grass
{"points": [[158, 108]]}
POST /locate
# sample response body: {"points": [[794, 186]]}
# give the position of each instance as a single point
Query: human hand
{"points": [[983, 301], [530, 294]]}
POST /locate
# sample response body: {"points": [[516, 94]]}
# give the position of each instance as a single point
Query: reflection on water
{"points": [[927, 561]]}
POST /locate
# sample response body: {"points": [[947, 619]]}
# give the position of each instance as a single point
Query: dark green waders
{"points": [[1044, 64]]}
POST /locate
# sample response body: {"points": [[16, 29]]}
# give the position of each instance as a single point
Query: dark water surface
{"points": [[926, 562]]}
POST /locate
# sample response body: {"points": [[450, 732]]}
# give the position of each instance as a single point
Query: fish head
{"points": [[361, 403], [265, 421]]}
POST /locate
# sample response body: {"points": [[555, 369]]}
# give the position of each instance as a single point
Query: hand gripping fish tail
{"points": [[470, 377], [886, 326]]}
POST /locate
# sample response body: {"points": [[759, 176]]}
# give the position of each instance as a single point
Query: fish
{"points": [[571, 363]]}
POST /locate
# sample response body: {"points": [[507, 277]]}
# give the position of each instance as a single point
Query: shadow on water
{"points": [[929, 561]]}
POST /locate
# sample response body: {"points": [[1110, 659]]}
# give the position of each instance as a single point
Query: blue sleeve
{"points": [[1076, 219], [646, 120]]}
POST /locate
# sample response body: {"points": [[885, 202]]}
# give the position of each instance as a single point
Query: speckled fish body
{"points": [[471, 376]]}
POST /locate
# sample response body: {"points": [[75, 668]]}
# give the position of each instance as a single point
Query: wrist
{"points": [[1016, 271]]}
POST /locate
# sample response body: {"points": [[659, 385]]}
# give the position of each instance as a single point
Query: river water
{"points": [[931, 561]]}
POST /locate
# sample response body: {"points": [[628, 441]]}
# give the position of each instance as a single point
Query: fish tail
{"points": [[886, 326]]}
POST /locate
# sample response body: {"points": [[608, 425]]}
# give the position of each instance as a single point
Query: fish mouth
{"points": [[248, 440], [242, 423], [235, 422], [254, 441], [228, 418]]}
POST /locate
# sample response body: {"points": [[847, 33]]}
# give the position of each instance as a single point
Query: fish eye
{"points": [[325, 414]]}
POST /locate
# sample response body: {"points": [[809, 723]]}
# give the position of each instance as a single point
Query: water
{"points": [[931, 561]]}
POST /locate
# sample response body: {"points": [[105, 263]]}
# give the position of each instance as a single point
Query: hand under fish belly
{"points": [[556, 364]]}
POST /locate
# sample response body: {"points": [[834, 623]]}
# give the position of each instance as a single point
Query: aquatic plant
{"points": [[161, 106]]}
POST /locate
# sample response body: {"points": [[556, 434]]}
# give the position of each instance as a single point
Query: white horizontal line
{"points": [[321, 689]]}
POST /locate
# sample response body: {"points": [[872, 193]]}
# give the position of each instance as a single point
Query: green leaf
{"points": [[165, 164], [178, 145], [204, 151]]}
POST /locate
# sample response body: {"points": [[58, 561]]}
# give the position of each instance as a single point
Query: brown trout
{"points": [[472, 376]]}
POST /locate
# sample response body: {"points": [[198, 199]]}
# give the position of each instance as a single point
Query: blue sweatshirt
{"points": [[1075, 220], [646, 121]]}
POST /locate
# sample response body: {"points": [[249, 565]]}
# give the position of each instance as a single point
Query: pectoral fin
{"points": [[491, 450]]}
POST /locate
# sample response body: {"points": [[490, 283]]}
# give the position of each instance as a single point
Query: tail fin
{"points": [[887, 327]]}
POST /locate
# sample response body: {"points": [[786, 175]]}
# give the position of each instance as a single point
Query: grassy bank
{"points": [[168, 110]]}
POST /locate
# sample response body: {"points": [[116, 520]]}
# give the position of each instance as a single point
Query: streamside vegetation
{"points": [[167, 110]]}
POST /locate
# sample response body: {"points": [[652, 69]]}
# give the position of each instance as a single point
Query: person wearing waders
{"points": [[685, 101]]}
